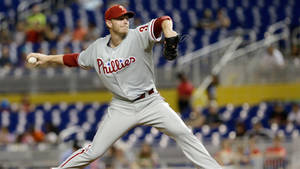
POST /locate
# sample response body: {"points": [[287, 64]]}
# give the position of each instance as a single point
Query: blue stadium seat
{"points": [[47, 113], [268, 12]]}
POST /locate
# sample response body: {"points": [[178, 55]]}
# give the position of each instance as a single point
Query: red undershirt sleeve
{"points": [[157, 25], [71, 59]]}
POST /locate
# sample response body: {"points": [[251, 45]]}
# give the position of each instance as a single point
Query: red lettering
{"points": [[123, 65], [114, 65], [127, 62], [118, 65], [110, 69], [132, 59], [105, 69], [100, 63], [143, 28]]}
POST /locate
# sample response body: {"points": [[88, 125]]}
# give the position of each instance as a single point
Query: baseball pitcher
{"points": [[124, 62]]}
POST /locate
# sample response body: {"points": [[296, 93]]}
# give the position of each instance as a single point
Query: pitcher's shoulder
{"points": [[132, 31], [102, 39]]}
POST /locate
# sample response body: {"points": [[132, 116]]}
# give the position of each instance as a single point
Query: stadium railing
{"points": [[45, 155]]}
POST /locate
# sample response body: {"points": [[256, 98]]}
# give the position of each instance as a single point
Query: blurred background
{"points": [[235, 83]]}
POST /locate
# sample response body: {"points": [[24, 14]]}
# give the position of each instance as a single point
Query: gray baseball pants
{"points": [[152, 111]]}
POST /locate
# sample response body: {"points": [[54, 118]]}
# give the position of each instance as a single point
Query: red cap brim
{"points": [[117, 11]]}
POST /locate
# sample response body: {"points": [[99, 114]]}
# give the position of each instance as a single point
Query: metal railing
{"points": [[72, 80], [199, 63], [234, 67], [246, 66], [236, 62], [20, 156]]}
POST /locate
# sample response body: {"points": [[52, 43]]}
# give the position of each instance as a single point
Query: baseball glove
{"points": [[170, 47]]}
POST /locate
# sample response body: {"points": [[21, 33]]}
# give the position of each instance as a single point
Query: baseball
{"points": [[32, 60]]}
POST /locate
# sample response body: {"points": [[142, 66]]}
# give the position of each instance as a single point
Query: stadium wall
{"points": [[253, 94], [236, 95]]}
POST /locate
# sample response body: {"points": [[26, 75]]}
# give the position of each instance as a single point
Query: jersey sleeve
{"points": [[85, 58], [146, 32]]}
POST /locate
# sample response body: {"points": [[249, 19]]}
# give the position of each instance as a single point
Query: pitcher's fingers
{"points": [[38, 63]]}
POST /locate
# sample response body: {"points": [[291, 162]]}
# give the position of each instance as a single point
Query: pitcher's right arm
{"points": [[69, 60]]}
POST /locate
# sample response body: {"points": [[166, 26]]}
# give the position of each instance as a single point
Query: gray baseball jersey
{"points": [[128, 71], [117, 67]]}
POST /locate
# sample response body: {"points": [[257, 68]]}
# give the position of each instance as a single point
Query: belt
{"points": [[151, 91]]}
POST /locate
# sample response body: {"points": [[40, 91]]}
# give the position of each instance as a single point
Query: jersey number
{"points": [[143, 28]]}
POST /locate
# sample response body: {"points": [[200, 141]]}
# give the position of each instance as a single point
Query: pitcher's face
{"points": [[119, 25]]}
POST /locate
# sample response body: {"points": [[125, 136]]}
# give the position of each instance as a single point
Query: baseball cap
{"points": [[117, 11]]}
